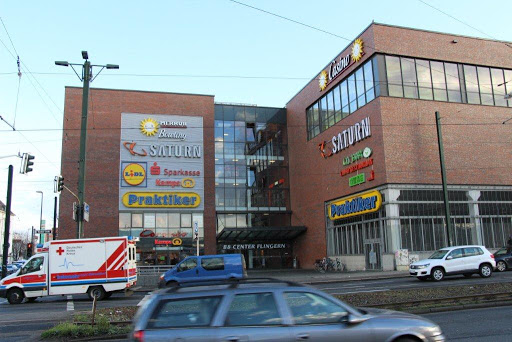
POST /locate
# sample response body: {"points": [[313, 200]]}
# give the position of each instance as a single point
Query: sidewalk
{"points": [[314, 277]]}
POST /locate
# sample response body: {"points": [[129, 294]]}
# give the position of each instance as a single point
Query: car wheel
{"points": [[15, 296], [96, 291], [438, 274], [423, 278], [171, 283], [501, 266], [468, 275], [485, 271], [405, 339]]}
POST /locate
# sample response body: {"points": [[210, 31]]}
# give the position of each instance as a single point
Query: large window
{"points": [[352, 93]]}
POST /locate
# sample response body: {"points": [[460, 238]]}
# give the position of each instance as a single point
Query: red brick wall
{"points": [[103, 141], [404, 138]]}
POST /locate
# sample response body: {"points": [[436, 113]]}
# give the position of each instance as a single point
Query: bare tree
{"points": [[19, 245]]}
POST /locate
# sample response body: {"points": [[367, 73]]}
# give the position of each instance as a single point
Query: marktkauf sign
{"points": [[364, 203]]}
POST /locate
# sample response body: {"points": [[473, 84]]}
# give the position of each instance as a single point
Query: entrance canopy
{"points": [[260, 233]]}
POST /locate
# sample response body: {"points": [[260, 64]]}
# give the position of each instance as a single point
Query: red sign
{"points": [[60, 251], [130, 146], [357, 167], [155, 169]]}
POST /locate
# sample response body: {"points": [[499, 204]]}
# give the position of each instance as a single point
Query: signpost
{"points": [[196, 233], [86, 212]]}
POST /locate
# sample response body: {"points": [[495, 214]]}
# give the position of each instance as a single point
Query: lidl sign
{"points": [[365, 203], [161, 200]]}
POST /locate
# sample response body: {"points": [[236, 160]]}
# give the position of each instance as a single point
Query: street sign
{"points": [[196, 227], [44, 231], [74, 211], [86, 212], [43, 223]]}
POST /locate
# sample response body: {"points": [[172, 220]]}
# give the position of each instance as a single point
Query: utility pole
{"points": [[443, 176], [54, 232], [7, 222], [86, 78]]}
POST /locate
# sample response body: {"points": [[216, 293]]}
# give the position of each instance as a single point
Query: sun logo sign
{"points": [[322, 80], [357, 50], [149, 127]]}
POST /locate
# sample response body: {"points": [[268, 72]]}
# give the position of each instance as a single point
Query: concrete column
{"points": [[476, 228], [392, 219]]}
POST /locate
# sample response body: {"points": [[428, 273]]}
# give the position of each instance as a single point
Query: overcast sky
{"points": [[217, 47]]}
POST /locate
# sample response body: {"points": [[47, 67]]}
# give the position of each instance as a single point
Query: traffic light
{"points": [[58, 184], [29, 250], [26, 163]]}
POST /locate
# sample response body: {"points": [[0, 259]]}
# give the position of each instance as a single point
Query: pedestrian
{"points": [[509, 244]]}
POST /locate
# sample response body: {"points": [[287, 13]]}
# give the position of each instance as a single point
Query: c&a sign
{"points": [[364, 203]]}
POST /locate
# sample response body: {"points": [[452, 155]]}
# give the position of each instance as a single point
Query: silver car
{"points": [[269, 310]]}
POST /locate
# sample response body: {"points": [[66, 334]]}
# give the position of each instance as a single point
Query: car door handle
{"points": [[302, 337]]}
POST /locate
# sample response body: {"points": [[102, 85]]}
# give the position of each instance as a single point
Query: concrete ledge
{"points": [[461, 307]]}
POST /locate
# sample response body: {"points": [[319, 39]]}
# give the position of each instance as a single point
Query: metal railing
{"points": [[153, 270]]}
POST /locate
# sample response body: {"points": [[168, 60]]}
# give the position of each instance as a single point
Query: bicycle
{"points": [[329, 265]]}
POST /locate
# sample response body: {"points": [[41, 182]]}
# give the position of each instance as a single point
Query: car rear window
{"points": [[253, 309], [212, 264], [309, 308], [190, 312], [472, 251]]}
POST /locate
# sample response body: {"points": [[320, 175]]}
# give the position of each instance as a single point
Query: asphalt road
{"points": [[485, 325], [409, 283]]}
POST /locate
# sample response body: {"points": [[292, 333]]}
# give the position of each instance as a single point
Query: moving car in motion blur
{"points": [[503, 259], [466, 260], [260, 309]]}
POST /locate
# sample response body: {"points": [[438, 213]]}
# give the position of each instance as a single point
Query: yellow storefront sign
{"points": [[364, 203], [161, 200]]}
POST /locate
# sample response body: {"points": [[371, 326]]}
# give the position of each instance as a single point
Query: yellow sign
{"points": [[188, 183], [134, 174], [149, 127], [177, 242], [364, 203], [322, 80], [357, 50], [161, 200]]}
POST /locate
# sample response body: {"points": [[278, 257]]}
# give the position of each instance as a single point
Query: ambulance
{"points": [[96, 266]]}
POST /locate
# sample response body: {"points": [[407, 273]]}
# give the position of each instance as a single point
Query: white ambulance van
{"points": [[96, 266]]}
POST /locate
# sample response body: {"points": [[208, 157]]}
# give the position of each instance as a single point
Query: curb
{"points": [[461, 307]]}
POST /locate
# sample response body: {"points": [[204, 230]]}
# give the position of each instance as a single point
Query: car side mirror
{"points": [[352, 319], [449, 257]]}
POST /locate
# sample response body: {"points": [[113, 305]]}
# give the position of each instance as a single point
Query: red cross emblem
{"points": [[60, 251]]}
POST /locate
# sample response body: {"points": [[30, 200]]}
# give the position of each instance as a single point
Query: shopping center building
{"points": [[349, 169]]}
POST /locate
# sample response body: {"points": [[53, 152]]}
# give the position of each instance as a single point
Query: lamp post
{"points": [[41, 218], [86, 78]]}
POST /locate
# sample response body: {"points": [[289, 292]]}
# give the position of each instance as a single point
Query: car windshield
{"points": [[438, 254]]}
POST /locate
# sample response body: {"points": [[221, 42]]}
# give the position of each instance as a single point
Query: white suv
{"points": [[465, 260]]}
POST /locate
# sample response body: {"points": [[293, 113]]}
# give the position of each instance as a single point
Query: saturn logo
{"points": [[188, 183]]}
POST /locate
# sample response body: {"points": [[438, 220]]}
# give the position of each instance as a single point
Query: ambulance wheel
{"points": [[96, 291], [15, 296]]}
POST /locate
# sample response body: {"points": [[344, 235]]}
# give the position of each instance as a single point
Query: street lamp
{"points": [[41, 218], [86, 78]]}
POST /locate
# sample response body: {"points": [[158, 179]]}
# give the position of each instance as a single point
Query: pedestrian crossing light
{"points": [[26, 163]]}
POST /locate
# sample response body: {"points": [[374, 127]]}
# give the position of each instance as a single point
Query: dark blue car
{"points": [[503, 260]]}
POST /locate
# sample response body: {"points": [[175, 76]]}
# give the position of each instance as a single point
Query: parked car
{"points": [[205, 267], [466, 260], [19, 263], [503, 260], [11, 269], [254, 309]]}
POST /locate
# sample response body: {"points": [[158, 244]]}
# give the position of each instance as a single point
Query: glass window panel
{"points": [[230, 197], [484, 80], [310, 308], [239, 114], [316, 115], [241, 220], [253, 310], [229, 131], [409, 78], [508, 84], [424, 79], [323, 113], [330, 108], [136, 220], [186, 220], [471, 84], [219, 196], [368, 81], [337, 103], [344, 99], [438, 81], [352, 95], [499, 91], [452, 82], [361, 99], [394, 76], [219, 130], [230, 221], [174, 220], [161, 220], [219, 148], [239, 131], [184, 313], [125, 220], [250, 115], [309, 118]]}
